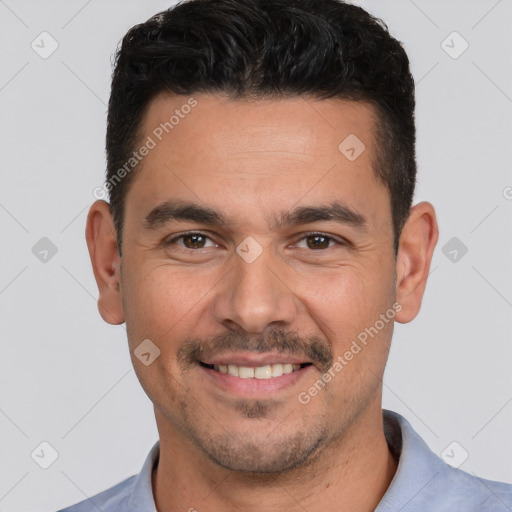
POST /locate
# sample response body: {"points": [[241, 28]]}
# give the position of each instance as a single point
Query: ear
{"points": [[417, 242], [100, 234]]}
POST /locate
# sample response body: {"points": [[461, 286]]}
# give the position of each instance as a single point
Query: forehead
{"points": [[231, 125], [210, 148]]}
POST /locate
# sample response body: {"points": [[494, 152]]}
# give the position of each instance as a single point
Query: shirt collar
{"points": [[141, 498], [417, 465]]}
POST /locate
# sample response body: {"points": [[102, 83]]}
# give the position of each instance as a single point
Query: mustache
{"points": [[314, 348]]}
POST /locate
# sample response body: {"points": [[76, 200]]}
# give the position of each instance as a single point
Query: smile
{"points": [[268, 371]]}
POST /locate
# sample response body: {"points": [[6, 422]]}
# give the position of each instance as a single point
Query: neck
{"points": [[351, 474]]}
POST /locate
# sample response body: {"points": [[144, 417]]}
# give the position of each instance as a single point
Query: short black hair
{"points": [[266, 49]]}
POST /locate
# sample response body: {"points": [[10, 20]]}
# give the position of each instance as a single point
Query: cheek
{"points": [[347, 307], [345, 302], [159, 305], [161, 302]]}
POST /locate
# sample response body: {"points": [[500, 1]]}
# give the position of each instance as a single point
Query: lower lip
{"points": [[255, 387]]}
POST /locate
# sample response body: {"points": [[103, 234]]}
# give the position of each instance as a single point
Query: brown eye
{"points": [[194, 241], [318, 241], [191, 241]]}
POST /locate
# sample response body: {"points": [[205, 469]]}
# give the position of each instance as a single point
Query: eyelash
{"points": [[339, 242]]}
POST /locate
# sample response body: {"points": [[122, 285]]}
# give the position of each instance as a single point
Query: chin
{"points": [[261, 453]]}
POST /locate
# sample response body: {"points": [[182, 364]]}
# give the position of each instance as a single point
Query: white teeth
{"points": [[245, 372], [277, 370], [263, 372], [260, 372]]}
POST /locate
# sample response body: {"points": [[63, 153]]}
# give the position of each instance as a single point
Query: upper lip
{"points": [[253, 359]]}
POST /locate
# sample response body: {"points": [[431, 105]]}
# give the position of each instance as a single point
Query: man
{"points": [[260, 243]]}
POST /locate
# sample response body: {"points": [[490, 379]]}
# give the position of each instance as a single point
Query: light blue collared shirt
{"points": [[423, 482]]}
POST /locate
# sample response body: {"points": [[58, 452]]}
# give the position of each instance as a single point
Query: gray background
{"points": [[65, 375]]}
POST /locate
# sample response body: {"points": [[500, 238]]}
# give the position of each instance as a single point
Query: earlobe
{"points": [[100, 234], [417, 243]]}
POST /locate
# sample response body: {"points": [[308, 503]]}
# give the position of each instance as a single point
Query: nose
{"points": [[254, 296]]}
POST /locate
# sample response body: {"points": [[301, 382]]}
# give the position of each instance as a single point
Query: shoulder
{"points": [[424, 482], [134, 494], [112, 499], [476, 494]]}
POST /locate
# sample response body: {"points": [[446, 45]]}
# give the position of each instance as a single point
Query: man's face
{"points": [[278, 282]]}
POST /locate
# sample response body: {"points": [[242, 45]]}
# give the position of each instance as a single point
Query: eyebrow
{"points": [[336, 212], [170, 211]]}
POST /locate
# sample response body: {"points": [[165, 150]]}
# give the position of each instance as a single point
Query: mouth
{"points": [[252, 375], [268, 371]]}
